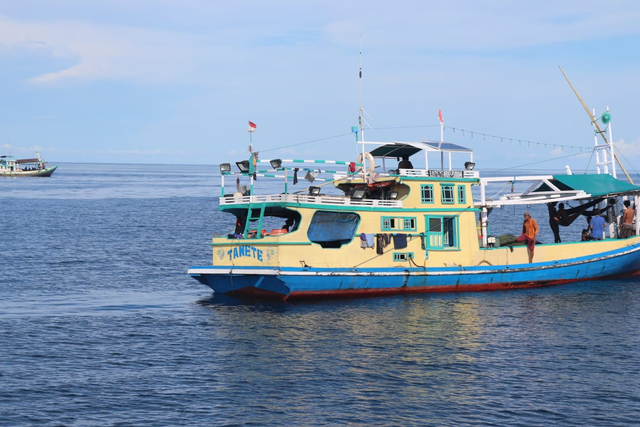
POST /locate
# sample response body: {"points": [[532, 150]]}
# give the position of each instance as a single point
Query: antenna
{"points": [[361, 120]]}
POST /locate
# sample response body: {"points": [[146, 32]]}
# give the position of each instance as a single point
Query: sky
{"points": [[176, 82]]}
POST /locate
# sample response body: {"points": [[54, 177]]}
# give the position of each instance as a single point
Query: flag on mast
{"points": [[440, 116], [252, 126]]}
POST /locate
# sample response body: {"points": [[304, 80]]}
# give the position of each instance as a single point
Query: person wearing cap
{"points": [[529, 233]]}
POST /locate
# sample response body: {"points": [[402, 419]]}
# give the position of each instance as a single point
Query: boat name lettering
{"points": [[248, 251], [445, 174]]}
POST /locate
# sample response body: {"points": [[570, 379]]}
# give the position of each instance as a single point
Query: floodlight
{"points": [[358, 194], [469, 166], [314, 191], [225, 167], [276, 163], [393, 195], [243, 166]]}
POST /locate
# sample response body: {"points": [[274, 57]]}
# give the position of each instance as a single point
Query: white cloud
{"points": [[103, 52]]}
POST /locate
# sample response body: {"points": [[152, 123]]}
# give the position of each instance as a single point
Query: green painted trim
{"points": [[462, 200], [402, 219], [451, 201], [397, 256], [433, 194], [356, 208], [456, 232]]}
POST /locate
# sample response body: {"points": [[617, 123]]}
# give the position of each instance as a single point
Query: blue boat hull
{"points": [[286, 283]]}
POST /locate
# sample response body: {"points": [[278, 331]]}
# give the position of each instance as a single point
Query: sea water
{"points": [[100, 325]]}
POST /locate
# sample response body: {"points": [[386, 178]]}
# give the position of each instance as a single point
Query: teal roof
{"points": [[597, 185]]}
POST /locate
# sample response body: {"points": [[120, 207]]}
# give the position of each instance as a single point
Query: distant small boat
{"points": [[10, 166]]}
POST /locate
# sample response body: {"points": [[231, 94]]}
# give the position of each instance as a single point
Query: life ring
{"points": [[370, 160]]}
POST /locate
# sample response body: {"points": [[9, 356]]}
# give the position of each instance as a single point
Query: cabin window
{"points": [[442, 232], [462, 195], [447, 193], [399, 224], [426, 192], [332, 229], [402, 256]]}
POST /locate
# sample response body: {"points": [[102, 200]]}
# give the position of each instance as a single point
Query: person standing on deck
{"points": [[554, 221], [405, 163], [529, 233], [597, 226], [627, 221]]}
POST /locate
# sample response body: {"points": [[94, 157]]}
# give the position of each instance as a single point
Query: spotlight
{"points": [[276, 163], [469, 166], [314, 191], [358, 194], [243, 166], [225, 168]]}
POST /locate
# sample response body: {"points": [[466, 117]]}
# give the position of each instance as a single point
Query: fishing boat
{"points": [[371, 230], [10, 166]]}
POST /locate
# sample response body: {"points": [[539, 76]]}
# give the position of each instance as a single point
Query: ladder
{"points": [[250, 217]]}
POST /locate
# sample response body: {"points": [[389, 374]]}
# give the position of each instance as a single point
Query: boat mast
{"points": [[361, 121], [599, 131]]}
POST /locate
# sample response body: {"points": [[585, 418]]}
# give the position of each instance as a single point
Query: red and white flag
{"points": [[252, 126], [440, 116]]}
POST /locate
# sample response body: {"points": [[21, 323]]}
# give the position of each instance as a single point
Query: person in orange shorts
{"points": [[529, 233]]}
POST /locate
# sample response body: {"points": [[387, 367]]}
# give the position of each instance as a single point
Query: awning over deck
{"points": [[596, 185], [399, 149]]}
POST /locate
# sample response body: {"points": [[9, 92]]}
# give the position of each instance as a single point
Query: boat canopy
{"points": [[596, 185], [399, 149]]}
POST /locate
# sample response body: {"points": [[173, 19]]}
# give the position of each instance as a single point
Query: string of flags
{"points": [[464, 132]]}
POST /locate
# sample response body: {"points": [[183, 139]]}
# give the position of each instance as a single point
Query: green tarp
{"points": [[597, 185]]}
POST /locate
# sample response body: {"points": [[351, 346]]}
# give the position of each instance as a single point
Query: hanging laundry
{"points": [[379, 244], [295, 175], [366, 240], [310, 176], [399, 241]]}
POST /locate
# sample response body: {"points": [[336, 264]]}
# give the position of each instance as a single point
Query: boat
{"points": [[394, 231], [10, 166], [370, 229]]}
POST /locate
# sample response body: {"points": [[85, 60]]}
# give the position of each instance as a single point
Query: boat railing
{"points": [[439, 173], [307, 199]]}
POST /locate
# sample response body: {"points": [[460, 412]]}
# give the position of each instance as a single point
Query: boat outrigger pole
{"points": [[595, 124]]}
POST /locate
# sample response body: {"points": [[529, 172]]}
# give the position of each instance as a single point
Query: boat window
{"points": [[398, 223], [426, 193], [462, 195], [332, 229], [442, 232], [447, 193]]}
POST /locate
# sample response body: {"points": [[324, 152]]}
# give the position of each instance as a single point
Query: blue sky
{"points": [[175, 82]]}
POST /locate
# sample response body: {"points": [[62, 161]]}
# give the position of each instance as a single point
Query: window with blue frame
{"points": [[426, 193], [462, 195], [448, 196], [442, 232], [399, 223]]}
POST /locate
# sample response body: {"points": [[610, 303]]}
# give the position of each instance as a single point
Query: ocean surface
{"points": [[100, 325]]}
